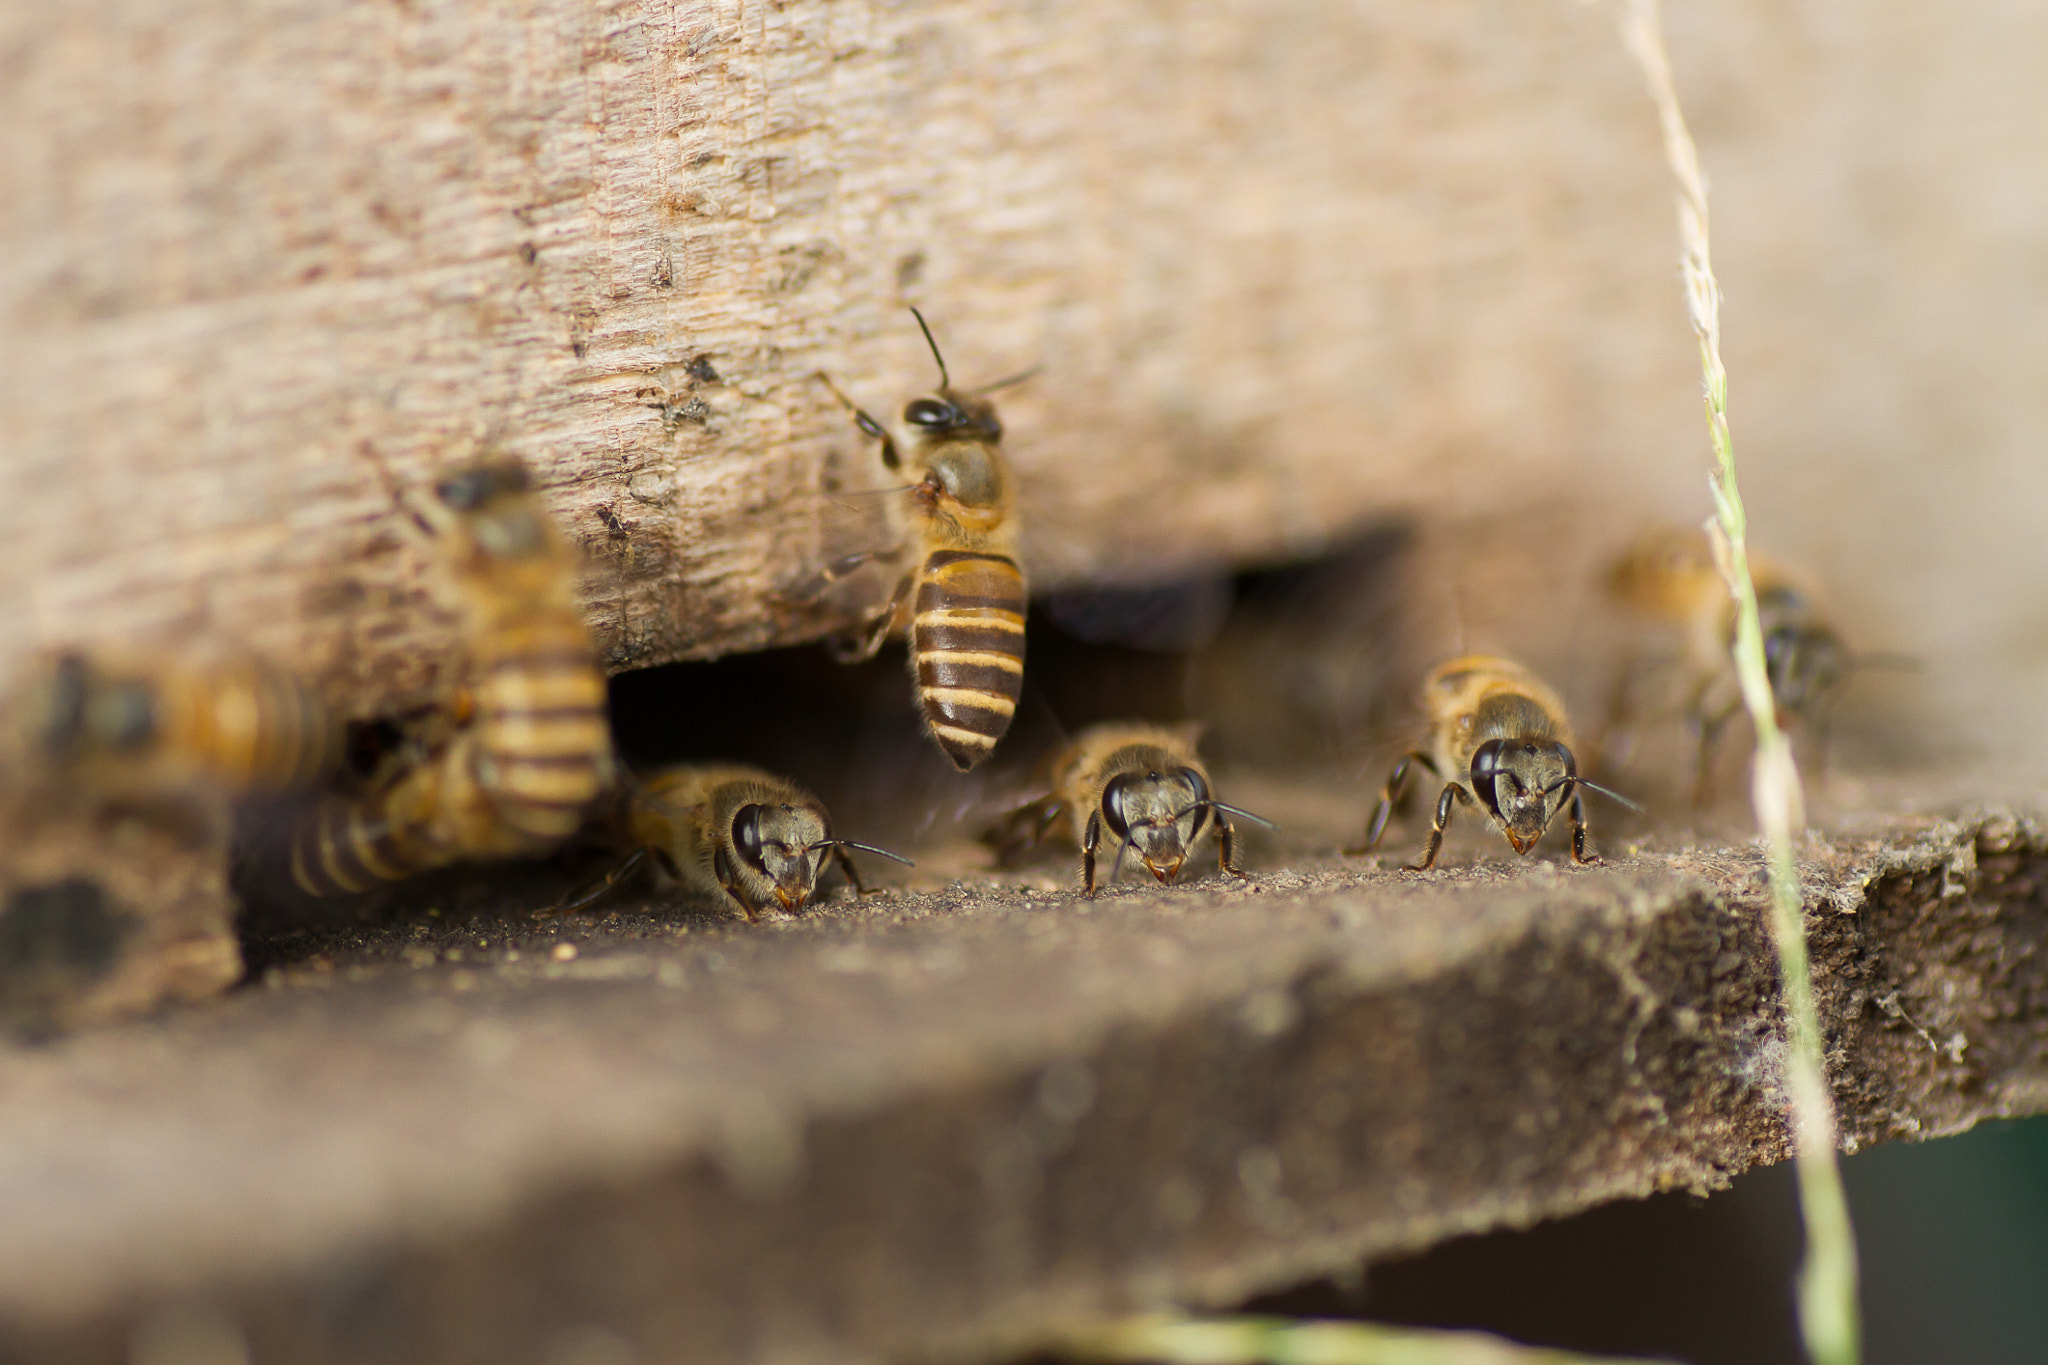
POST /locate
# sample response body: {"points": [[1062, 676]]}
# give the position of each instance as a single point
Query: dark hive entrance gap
{"points": [[1282, 666]]}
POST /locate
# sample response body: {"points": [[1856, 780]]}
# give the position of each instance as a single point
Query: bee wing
{"points": [[860, 548]]}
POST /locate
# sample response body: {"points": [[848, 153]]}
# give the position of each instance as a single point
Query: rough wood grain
{"points": [[1285, 267], [1276, 261]]}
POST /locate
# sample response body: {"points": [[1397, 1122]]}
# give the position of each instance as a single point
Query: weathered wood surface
{"points": [[1284, 265], [1278, 262], [972, 1112]]}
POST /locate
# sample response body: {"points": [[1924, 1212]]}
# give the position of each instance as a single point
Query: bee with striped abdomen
{"points": [[531, 749], [732, 830], [1144, 787], [1670, 576], [135, 728], [962, 604], [1500, 740]]}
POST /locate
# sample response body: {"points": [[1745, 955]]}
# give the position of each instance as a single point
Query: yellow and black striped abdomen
{"points": [[543, 745], [253, 727], [342, 847], [967, 648]]}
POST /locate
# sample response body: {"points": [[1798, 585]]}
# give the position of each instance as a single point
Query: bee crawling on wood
{"points": [[732, 830], [1670, 575], [530, 750], [1144, 787], [145, 728], [1499, 739], [962, 603]]}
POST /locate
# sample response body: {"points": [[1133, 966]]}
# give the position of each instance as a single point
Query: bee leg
{"points": [[868, 425], [399, 502], [1710, 728], [1023, 829], [876, 628], [1397, 786], [591, 892], [1089, 839], [812, 588], [860, 888], [721, 867], [1819, 748], [1451, 792], [1579, 854], [1226, 848]]}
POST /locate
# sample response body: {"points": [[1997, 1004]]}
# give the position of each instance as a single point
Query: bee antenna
{"points": [[1243, 814], [1607, 792], [870, 848], [1005, 383], [1122, 847], [944, 382], [826, 380]]}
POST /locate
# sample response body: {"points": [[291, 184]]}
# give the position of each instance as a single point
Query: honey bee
{"points": [[740, 831], [136, 729], [962, 604], [1670, 575], [1141, 783], [531, 750], [1499, 739]]}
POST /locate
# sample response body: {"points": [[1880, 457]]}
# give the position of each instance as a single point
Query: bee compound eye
{"points": [[465, 492], [746, 833], [929, 412], [1486, 761], [1486, 769], [70, 694], [1113, 807]]}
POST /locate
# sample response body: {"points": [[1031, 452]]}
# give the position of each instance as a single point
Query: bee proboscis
{"points": [[732, 830], [1499, 740], [962, 603], [1140, 785], [531, 750]]}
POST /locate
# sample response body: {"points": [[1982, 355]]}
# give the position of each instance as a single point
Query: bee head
{"points": [[779, 851], [968, 473], [1158, 813], [1805, 663], [957, 433], [83, 709], [493, 500], [1522, 782]]}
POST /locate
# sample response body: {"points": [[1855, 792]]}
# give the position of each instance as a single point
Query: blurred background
{"points": [[1952, 1237]]}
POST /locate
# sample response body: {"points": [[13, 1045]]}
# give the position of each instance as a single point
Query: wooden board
{"points": [[1282, 268], [978, 1110]]}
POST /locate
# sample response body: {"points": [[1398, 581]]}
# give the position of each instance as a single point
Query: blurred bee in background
{"points": [[124, 775], [733, 830], [527, 750], [1499, 739], [141, 729], [1670, 576], [1142, 784], [962, 603]]}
